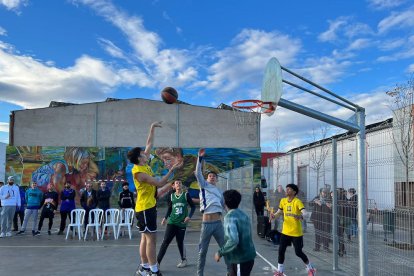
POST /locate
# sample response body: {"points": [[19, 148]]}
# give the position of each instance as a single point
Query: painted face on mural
{"points": [[170, 160]]}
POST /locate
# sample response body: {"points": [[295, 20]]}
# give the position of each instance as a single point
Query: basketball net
{"points": [[247, 112]]}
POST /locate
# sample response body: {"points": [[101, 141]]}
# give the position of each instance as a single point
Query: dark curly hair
{"points": [[133, 155], [232, 199]]}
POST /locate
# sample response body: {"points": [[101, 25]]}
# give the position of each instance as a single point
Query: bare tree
{"points": [[319, 152], [402, 137], [280, 166]]}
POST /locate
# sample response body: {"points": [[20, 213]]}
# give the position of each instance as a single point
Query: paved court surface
{"points": [[53, 255]]}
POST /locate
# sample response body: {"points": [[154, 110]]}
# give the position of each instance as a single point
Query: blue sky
{"points": [[212, 51]]}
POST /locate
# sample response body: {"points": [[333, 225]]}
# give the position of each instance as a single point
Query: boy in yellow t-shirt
{"points": [[293, 211]]}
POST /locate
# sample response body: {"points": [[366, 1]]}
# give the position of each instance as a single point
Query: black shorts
{"points": [[147, 220]]}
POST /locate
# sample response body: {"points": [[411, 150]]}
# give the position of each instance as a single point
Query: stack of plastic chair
{"points": [[77, 217], [95, 220], [128, 216], [111, 219]]}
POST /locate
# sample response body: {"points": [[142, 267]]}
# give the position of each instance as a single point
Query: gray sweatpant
{"points": [[7, 214], [27, 214], [209, 229]]}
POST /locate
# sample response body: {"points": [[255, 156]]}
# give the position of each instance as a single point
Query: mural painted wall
{"points": [[78, 165]]}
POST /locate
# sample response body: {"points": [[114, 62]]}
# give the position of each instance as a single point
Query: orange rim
{"points": [[263, 107]]}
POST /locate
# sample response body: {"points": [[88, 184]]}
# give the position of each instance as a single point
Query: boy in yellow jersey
{"points": [[293, 211], [145, 208]]}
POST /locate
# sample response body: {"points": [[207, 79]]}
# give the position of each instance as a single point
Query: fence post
{"points": [[335, 225]]}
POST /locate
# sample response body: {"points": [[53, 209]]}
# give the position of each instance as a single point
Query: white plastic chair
{"points": [[95, 220], [77, 217], [111, 219], [128, 216]]}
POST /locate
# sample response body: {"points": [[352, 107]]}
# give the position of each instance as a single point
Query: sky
{"points": [[212, 52]]}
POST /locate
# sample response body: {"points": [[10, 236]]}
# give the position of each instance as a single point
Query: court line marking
{"points": [[267, 261], [75, 246]]}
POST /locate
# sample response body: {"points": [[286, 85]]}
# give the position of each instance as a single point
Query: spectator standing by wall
{"points": [[50, 204], [321, 218], [10, 199], [259, 201], [67, 198], [88, 201], [34, 199]]}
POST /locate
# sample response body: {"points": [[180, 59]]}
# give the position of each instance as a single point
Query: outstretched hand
{"points": [[201, 152], [156, 124]]}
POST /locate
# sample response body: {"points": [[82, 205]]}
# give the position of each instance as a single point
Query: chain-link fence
{"points": [[389, 198], [240, 179]]}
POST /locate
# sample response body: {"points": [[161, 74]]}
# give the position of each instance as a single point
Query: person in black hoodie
{"points": [[88, 201], [259, 201], [103, 196], [126, 197], [50, 204]]}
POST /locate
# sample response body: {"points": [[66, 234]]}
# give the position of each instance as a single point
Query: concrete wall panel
{"points": [[125, 123]]}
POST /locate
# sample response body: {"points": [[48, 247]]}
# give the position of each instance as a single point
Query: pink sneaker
{"points": [[312, 272], [278, 273]]}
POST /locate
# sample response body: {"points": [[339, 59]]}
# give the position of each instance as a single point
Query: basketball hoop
{"points": [[247, 112]]}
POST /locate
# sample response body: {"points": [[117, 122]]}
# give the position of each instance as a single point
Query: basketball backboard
{"points": [[272, 83]]}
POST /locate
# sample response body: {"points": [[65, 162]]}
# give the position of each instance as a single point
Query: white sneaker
{"points": [[183, 263], [8, 234], [2, 235]]}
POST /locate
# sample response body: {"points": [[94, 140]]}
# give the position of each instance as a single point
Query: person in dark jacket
{"points": [[50, 204], [20, 210], [67, 197], [88, 201], [344, 219], [126, 197], [353, 213], [259, 201], [321, 218], [103, 196]]}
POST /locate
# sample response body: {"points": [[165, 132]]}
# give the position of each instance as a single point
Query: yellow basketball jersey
{"points": [[145, 192], [292, 226]]}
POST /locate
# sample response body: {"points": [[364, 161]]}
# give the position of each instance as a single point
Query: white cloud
{"points": [[357, 29], [13, 4], [397, 20], [334, 26], [3, 31], [385, 4], [407, 51], [171, 66], [4, 127], [244, 61], [30, 83], [325, 69], [359, 44], [112, 49], [391, 44], [411, 68]]}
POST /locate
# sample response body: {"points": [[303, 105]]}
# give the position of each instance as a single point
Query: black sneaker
{"points": [[37, 233], [49, 233], [20, 232], [60, 233], [142, 271], [158, 273]]}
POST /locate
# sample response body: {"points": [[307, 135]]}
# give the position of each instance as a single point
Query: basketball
{"points": [[169, 95]]}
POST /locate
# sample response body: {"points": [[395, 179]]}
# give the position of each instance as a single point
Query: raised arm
{"points": [[198, 173], [150, 138]]}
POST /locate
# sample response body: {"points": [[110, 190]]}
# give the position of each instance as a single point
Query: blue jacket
{"points": [[34, 198], [67, 198]]}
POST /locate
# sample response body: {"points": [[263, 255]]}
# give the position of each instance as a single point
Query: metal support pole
{"points": [[362, 210], [292, 167], [335, 225]]}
